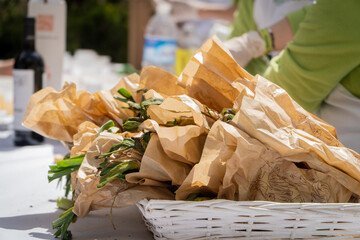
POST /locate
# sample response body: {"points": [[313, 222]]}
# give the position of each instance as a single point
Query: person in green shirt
{"points": [[243, 23], [319, 65], [252, 15]]}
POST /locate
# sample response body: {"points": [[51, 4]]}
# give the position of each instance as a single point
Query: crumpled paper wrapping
{"points": [[274, 151], [209, 75], [157, 168], [238, 167], [57, 115], [160, 81], [172, 151], [89, 197], [82, 140], [170, 155], [165, 162], [272, 117]]}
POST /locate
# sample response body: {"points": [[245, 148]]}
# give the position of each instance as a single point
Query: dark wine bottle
{"points": [[28, 78]]}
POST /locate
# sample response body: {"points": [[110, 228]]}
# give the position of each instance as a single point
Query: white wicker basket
{"points": [[217, 219]]}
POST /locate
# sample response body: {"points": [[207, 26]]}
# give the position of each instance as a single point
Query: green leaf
{"points": [[67, 156], [71, 162], [192, 197], [64, 203], [121, 176], [63, 223], [106, 126], [197, 197], [134, 119], [121, 99], [126, 94], [53, 167], [102, 165], [65, 167], [113, 130], [106, 169], [145, 139], [124, 145], [61, 173], [67, 185], [117, 171], [182, 121], [227, 114], [138, 146], [152, 101], [142, 90], [134, 105], [106, 179], [127, 142], [227, 111], [131, 126]]}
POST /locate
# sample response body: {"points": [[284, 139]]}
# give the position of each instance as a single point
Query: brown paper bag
{"points": [[209, 75], [238, 167], [180, 143], [178, 108], [157, 168], [130, 83], [272, 117], [57, 115], [166, 162], [303, 148], [172, 151], [170, 154], [160, 81], [82, 140], [89, 197], [287, 111]]}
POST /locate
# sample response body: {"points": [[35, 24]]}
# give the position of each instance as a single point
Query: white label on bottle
{"points": [[159, 50], [23, 89]]}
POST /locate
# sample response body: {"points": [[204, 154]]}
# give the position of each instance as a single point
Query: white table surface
{"points": [[27, 200]]}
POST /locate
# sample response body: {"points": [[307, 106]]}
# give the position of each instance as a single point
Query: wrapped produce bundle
{"points": [[272, 149], [214, 132], [163, 163], [121, 149]]}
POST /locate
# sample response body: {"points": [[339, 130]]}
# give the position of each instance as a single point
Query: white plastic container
{"points": [[50, 37], [160, 41]]}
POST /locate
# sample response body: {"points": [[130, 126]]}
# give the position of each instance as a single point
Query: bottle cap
{"points": [[163, 7]]}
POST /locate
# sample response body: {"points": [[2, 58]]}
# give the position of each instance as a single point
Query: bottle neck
{"points": [[29, 43], [29, 34]]}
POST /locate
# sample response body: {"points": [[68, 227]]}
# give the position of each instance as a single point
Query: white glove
{"points": [[246, 47]]}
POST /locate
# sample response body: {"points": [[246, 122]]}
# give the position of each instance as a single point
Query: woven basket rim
{"points": [[247, 202]]}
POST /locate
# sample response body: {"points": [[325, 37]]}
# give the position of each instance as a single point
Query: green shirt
{"points": [[243, 23], [325, 51]]}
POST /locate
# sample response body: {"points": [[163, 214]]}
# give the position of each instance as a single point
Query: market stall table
{"points": [[27, 200]]}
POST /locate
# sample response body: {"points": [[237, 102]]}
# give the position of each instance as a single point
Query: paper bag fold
{"points": [[57, 115], [90, 197]]}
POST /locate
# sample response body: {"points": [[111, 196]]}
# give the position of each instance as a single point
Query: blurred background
{"points": [[91, 24], [106, 39], [113, 28]]}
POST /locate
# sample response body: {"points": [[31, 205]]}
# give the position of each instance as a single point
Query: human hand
{"points": [[246, 47]]}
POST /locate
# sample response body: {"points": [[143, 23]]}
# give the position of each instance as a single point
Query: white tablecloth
{"points": [[27, 200]]}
